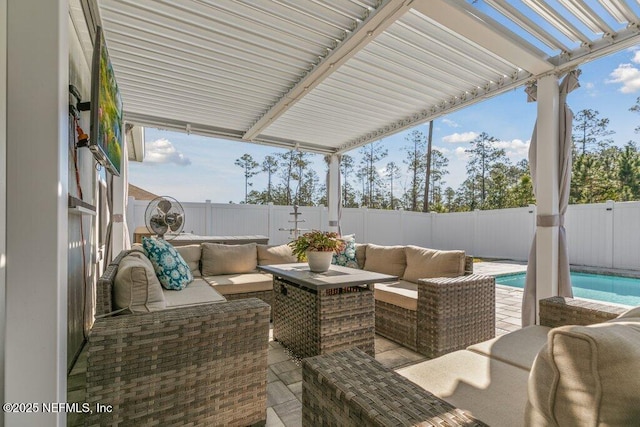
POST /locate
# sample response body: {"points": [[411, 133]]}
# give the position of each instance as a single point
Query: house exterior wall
{"points": [[82, 267]]}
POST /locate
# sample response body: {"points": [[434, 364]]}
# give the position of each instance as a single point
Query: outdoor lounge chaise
{"points": [[189, 363], [537, 376]]}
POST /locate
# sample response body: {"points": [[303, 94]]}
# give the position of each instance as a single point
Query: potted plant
{"points": [[318, 248]]}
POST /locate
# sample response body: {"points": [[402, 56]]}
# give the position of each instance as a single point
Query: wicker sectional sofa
{"points": [[228, 272], [192, 357], [558, 374], [437, 306]]}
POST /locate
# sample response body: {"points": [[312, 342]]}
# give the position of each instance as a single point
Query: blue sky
{"points": [[193, 168]]}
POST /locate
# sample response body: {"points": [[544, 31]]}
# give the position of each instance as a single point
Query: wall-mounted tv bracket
{"points": [[80, 106], [83, 139]]}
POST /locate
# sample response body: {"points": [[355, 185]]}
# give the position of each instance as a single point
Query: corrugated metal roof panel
{"points": [[415, 60], [334, 74], [220, 62]]}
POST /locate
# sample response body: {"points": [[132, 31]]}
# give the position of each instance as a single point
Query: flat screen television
{"points": [[107, 135]]}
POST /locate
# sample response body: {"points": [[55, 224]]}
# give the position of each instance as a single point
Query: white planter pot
{"points": [[319, 262]]}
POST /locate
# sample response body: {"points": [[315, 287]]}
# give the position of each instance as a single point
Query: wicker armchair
{"points": [[197, 365], [451, 314], [349, 388]]}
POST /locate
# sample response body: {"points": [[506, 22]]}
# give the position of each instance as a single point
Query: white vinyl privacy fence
{"points": [[600, 235]]}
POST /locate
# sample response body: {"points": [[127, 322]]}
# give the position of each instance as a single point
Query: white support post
{"points": [[547, 176], [3, 190], [333, 193], [37, 214]]}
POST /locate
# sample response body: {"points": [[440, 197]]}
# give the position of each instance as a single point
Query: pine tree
{"points": [[270, 166], [250, 166], [483, 156], [372, 153], [589, 130], [287, 163], [439, 165], [392, 172], [347, 164], [629, 173], [415, 162]]}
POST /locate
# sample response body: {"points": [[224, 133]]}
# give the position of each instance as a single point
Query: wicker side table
{"points": [[320, 313], [311, 322]]}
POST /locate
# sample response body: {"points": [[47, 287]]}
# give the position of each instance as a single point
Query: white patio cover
{"points": [[529, 301]]}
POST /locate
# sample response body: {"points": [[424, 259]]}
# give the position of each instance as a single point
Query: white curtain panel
{"points": [[568, 84]]}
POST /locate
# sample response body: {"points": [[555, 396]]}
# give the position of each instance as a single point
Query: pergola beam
{"points": [[222, 133], [469, 23], [378, 21]]}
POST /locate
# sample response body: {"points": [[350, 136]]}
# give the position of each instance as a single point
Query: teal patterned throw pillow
{"points": [[172, 270], [347, 257]]}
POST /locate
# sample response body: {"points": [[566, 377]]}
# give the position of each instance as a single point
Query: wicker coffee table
{"points": [[319, 313]]}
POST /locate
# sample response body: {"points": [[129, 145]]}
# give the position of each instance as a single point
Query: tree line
{"points": [[601, 171]]}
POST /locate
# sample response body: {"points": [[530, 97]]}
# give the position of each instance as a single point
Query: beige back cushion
{"points": [[191, 254], [385, 259], [136, 287], [587, 376], [423, 263], [228, 259], [361, 250], [270, 255]]}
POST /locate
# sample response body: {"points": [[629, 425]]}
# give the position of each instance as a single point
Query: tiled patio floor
{"points": [[284, 388]]}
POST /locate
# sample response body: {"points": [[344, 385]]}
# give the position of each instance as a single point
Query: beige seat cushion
{"points": [[272, 255], [136, 287], [191, 254], [634, 312], [228, 259], [423, 263], [493, 391], [196, 292], [241, 283], [401, 293], [588, 376], [518, 348], [385, 259], [361, 251]]}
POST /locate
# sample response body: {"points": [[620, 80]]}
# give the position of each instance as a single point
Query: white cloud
{"points": [[589, 86], [450, 123], [636, 57], [163, 151], [461, 153], [515, 149], [627, 75], [457, 138]]}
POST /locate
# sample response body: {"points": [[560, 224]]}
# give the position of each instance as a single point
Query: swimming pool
{"points": [[616, 289]]}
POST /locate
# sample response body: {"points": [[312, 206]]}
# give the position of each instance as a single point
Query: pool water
{"points": [[616, 289]]}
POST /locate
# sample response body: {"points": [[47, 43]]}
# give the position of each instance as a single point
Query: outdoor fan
{"points": [[164, 215]]}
